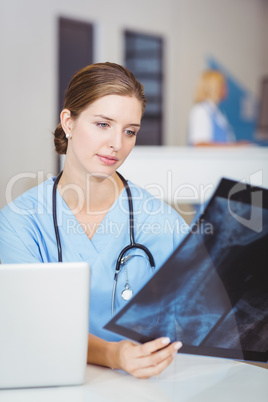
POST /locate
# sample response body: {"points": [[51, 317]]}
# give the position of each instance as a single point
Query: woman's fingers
{"points": [[161, 343], [161, 355], [147, 372], [149, 359], [152, 346], [155, 363]]}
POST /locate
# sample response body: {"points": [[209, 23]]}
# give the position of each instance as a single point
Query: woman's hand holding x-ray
{"points": [[147, 360]]}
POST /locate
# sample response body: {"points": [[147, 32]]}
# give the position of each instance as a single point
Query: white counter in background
{"points": [[189, 175]]}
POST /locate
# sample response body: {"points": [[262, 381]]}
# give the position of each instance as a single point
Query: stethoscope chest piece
{"points": [[127, 293]]}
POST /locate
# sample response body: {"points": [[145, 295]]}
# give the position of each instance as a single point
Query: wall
{"points": [[234, 31], [29, 69], [264, 36]]}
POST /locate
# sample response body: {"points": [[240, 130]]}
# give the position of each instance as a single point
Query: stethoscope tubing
{"points": [[132, 244], [55, 220]]}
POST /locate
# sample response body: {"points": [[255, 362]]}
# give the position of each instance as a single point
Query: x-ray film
{"points": [[212, 293]]}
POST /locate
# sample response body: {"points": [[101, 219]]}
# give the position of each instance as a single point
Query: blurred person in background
{"points": [[207, 124]]}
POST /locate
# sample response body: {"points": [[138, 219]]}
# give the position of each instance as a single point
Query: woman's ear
{"points": [[66, 122]]}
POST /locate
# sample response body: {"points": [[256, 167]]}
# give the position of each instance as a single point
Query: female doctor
{"points": [[87, 210]]}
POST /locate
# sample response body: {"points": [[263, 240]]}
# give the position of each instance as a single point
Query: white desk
{"points": [[189, 378], [191, 174]]}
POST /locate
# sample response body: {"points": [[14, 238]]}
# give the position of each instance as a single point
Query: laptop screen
{"points": [[212, 293]]}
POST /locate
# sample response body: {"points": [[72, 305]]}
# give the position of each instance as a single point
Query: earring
{"points": [[67, 136]]}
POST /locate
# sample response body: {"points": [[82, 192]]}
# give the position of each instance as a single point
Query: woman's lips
{"points": [[107, 160]]}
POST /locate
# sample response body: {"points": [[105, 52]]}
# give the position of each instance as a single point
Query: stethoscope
{"points": [[122, 259]]}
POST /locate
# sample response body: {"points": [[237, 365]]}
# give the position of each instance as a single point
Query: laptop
{"points": [[44, 320], [212, 293]]}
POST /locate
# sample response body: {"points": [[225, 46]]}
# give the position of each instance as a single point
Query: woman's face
{"points": [[218, 90], [103, 135]]}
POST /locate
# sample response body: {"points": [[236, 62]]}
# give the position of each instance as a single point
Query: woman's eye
{"points": [[130, 133], [102, 125]]}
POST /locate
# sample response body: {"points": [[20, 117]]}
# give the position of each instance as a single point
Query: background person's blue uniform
{"points": [[27, 235], [221, 130], [207, 124]]}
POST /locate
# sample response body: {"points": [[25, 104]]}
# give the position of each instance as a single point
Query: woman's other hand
{"points": [[147, 360]]}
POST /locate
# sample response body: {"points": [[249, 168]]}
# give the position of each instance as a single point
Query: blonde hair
{"points": [[92, 83], [211, 86]]}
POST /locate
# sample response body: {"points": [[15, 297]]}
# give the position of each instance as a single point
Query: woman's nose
{"points": [[116, 140]]}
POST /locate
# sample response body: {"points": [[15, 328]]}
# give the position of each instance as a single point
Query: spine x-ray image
{"points": [[212, 293]]}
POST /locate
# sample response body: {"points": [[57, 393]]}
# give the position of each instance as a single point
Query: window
{"points": [[144, 57], [75, 41], [75, 51]]}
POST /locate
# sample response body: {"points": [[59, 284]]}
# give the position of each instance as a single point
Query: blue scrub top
{"points": [[27, 235]]}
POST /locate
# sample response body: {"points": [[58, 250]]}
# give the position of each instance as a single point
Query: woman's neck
{"points": [[87, 193]]}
